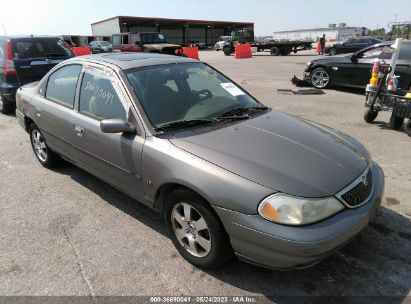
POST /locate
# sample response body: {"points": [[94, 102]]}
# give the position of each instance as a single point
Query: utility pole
{"points": [[4, 30]]}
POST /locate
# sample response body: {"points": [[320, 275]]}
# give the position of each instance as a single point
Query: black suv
{"points": [[25, 59]]}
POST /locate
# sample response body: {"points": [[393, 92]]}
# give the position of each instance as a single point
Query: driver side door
{"points": [[357, 74]]}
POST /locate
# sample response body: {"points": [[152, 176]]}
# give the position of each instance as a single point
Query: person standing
{"points": [[322, 44]]}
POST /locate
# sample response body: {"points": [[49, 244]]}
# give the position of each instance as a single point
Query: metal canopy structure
{"points": [[176, 30]]}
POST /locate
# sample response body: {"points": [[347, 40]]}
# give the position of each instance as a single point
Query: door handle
{"points": [[38, 111], [79, 131]]}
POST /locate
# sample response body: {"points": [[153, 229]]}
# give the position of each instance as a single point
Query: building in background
{"points": [[177, 31], [332, 33]]}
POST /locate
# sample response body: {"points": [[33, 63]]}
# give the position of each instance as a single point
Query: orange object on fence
{"points": [[81, 50], [242, 51], [191, 52], [318, 48]]}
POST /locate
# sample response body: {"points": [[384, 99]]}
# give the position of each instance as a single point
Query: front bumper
{"points": [[258, 241], [307, 73]]}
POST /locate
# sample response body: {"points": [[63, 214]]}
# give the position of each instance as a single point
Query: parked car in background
{"points": [[354, 70], [199, 44], [101, 47], [24, 59], [227, 174], [350, 46], [220, 43], [145, 42]]}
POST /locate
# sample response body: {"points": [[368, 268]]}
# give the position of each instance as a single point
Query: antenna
{"points": [[4, 30]]}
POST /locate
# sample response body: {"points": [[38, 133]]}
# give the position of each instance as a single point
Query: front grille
{"points": [[360, 192]]}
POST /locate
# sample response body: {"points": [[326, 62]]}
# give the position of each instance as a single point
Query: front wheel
{"points": [[396, 122], [195, 230], [370, 115], [45, 156], [320, 78], [227, 51], [275, 51]]}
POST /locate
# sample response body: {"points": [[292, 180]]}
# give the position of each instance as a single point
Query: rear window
{"points": [[405, 51], [39, 47]]}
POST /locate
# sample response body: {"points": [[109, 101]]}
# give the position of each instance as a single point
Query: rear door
{"points": [[34, 57], [53, 108], [135, 43]]}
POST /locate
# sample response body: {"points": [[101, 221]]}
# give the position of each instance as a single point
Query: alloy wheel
{"points": [[320, 78], [191, 229], [39, 145]]}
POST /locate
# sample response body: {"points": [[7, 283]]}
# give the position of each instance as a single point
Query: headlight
{"points": [[308, 63], [291, 210]]}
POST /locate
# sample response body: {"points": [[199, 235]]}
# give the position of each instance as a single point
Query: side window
{"points": [[371, 53], [99, 100], [116, 39], [124, 39], [61, 86], [134, 39]]}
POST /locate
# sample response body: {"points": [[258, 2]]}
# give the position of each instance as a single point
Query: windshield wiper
{"points": [[240, 112], [182, 124]]}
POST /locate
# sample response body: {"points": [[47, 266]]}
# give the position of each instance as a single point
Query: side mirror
{"points": [[354, 58], [387, 50], [116, 126]]}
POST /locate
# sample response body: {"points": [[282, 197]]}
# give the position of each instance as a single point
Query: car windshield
{"points": [[105, 43], [186, 92], [153, 38]]}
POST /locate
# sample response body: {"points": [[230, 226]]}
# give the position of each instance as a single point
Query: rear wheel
{"points": [[275, 51], [332, 52], [5, 106], [44, 155], [407, 127], [320, 78], [396, 122], [196, 230], [370, 115], [227, 50]]}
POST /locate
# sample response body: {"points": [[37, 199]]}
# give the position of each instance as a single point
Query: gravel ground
{"points": [[64, 232]]}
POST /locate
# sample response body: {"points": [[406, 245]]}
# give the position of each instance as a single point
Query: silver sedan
{"points": [[228, 175]]}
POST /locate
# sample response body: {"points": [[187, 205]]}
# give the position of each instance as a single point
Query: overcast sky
{"points": [[56, 17]]}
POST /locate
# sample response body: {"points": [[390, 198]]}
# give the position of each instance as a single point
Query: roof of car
{"points": [[133, 60], [27, 36]]}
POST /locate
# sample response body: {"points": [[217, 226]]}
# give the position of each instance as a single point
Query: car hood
{"points": [[333, 59], [160, 46], [282, 152]]}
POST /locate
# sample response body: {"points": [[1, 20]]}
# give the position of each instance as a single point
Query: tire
{"points": [[370, 115], [319, 78], [206, 248], [275, 51], [227, 50], [45, 156], [332, 52], [6, 107], [407, 127], [396, 122]]}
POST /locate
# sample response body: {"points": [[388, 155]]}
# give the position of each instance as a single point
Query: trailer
{"points": [[275, 47]]}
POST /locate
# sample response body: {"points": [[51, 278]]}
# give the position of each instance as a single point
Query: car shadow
{"points": [[376, 264]]}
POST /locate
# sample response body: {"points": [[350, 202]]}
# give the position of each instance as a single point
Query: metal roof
{"points": [[133, 60], [170, 21], [320, 29]]}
